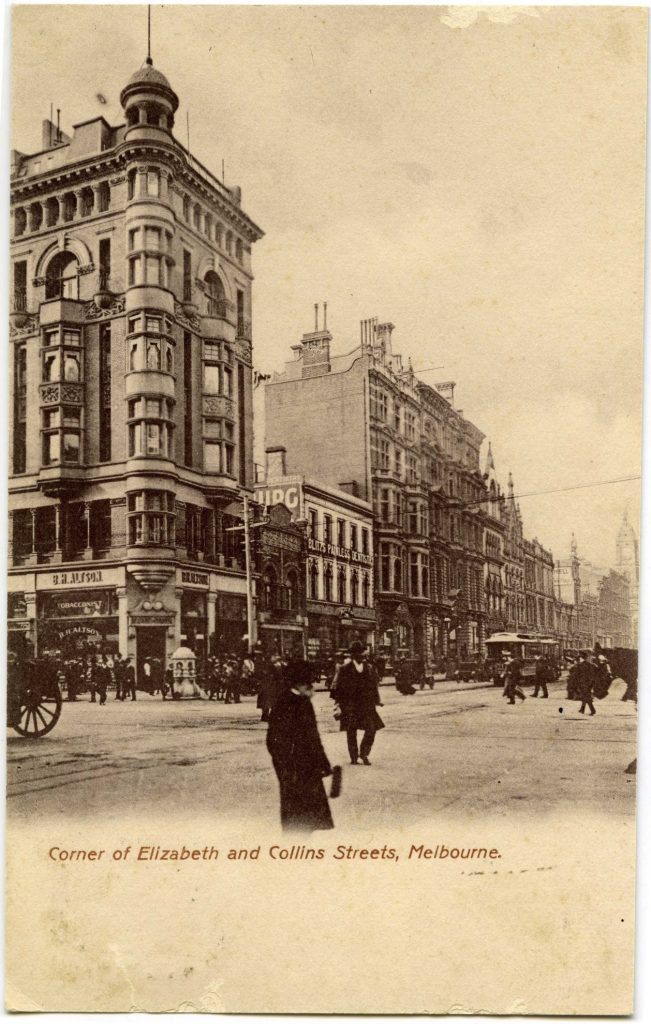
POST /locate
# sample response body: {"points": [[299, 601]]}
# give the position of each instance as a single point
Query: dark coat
{"points": [[273, 682], [583, 679], [300, 763], [357, 695]]}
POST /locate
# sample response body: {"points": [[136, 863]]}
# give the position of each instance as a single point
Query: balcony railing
{"points": [[20, 301], [105, 279]]}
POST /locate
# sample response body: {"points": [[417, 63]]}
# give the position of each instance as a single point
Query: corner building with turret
{"points": [[130, 389]]}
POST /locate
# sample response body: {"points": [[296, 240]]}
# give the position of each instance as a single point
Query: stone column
{"points": [[88, 550], [211, 624], [79, 196], [96, 197], [33, 216], [30, 605], [10, 537], [61, 200], [481, 636], [32, 555], [164, 184], [123, 621], [178, 594]]}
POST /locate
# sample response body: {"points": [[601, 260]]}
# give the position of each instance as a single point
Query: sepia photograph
{"points": [[324, 450]]}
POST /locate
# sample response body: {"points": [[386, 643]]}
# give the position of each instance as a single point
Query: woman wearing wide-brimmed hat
{"points": [[358, 696]]}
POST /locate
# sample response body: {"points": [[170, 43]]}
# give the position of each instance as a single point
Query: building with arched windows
{"points": [[130, 391]]}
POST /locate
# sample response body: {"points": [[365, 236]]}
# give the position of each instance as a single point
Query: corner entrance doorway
{"points": [[151, 642]]}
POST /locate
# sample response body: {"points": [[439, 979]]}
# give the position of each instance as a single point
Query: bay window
{"points": [[150, 517], [150, 427]]}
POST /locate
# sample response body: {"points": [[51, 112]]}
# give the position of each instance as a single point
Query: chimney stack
{"points": [[275, 462]]}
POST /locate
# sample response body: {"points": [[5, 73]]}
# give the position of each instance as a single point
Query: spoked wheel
{"points": [[38, 712]]}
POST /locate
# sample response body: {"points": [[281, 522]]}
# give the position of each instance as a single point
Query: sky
{"points": [[474, 176]]}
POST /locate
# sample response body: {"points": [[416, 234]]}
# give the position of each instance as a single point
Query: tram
{"points": [[525, 647]]}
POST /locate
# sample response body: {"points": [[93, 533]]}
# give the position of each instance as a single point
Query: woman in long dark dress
{"points": [[298, 757]]}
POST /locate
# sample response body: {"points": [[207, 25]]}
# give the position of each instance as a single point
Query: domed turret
{"points": [[149, 100]]}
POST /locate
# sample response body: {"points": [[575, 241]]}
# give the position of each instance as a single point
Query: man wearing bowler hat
{"points": [[358, 696]]}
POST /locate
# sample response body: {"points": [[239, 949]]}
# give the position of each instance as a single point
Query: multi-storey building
{"points": [[613, 626], [596, 603], [628, 563], [494, 550], [538, 587], [130, 386], [363, 421], [338, 572], [280, 553], [514, 596]]}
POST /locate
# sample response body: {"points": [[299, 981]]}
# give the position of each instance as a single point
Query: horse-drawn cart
{"points": [[33, 697]]}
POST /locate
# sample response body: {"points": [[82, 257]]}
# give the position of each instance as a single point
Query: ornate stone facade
{"points": [[130, 375]]}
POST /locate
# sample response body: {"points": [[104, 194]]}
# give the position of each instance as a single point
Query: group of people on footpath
{"points": [[293, 740]]}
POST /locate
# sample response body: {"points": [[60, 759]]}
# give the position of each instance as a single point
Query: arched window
{"points": [[229, 243], [196, 217], [397, 573], [61, 281], [270, 585], [215, 295], [186, 207], [239, 251], [327, 582], [341, 585], [36, 217], [354, 588], [314, 581], [219, 235], [291, 587], [20, 221]]}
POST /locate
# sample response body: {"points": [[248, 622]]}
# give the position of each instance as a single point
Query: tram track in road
{"points": [[106, 770]]}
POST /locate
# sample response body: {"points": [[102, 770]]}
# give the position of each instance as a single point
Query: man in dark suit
{"points": [[584, 680], [298, 757], [358, 696], [541, 675], [129, 679], [513, 677]]}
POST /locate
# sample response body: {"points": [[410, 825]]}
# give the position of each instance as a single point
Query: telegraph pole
{"points": [[246, 527], [250, 618]]}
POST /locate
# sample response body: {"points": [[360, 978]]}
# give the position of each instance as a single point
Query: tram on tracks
{"points": [[526, 647]]}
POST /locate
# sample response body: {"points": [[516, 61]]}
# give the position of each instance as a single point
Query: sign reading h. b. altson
{"points": [[70, 578]]}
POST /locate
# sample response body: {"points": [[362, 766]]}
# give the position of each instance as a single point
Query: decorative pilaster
{"points": [[123, 620], [88, 550], [211, 618]]}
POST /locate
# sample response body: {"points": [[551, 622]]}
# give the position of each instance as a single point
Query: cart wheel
{"points": [[38, 712]]}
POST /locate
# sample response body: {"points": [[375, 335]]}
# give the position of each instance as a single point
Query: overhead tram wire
{"points": [[551, 490]]}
